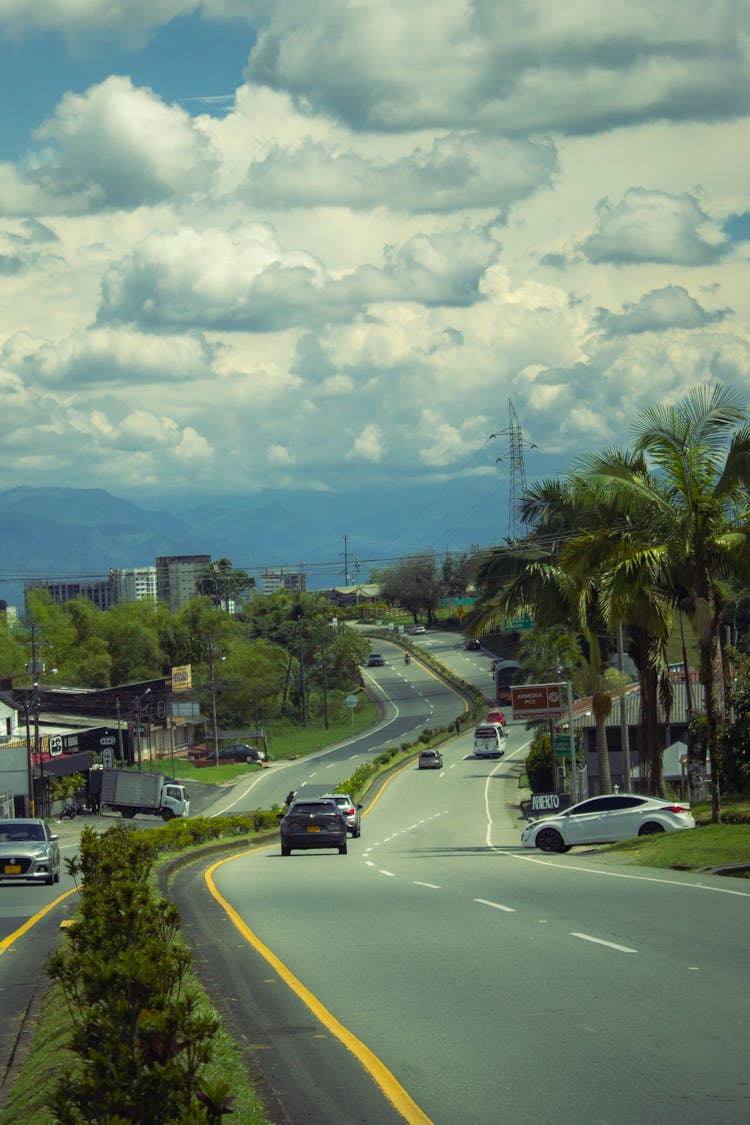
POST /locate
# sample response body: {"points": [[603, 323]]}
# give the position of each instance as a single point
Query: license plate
{"points": [[313, 828], [12, 869]]}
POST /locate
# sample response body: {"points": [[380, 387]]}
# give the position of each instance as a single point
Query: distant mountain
{"points": [[65, 533]]}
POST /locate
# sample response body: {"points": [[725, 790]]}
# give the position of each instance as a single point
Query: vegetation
{"points": [[639, 539]]}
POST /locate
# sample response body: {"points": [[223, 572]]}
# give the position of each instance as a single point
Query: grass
{"points": [[286, 741], [715, 845], [708, 845]]}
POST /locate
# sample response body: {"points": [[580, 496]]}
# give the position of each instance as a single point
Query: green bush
{"points": [[539, 765], [142, 1042]]}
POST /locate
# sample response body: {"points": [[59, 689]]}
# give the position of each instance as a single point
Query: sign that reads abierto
{"points": [[537, 701]]}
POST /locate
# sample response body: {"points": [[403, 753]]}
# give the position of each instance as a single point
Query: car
{"points": [[29, 851], [471, 644], [315, 823], [602, 820], [351, 813], [240, 752], [416, 630], [495, 716], [375, 660], [430, 760], [490, 740]]}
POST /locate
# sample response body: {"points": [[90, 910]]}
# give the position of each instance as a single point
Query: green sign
{"points": [[562, 745]]}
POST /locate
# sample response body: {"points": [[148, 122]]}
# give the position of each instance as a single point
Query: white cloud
{"points": [[368, 445], [651, 226]]}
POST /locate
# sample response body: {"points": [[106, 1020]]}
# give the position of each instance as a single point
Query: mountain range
{"points": [[67, 533]]}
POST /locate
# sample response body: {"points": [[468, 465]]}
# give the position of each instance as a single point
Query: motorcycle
{"points": [[407, 659], [68, 811]]}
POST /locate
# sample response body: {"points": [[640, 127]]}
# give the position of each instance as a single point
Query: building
{"points": [[99, 591], [178, 577], [283, 578], [134, 584]]}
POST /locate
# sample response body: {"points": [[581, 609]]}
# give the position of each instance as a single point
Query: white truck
{"points": [[139, 791]]}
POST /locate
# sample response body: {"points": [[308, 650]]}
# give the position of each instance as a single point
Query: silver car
{"points": [[28, 851], [351, 813]]}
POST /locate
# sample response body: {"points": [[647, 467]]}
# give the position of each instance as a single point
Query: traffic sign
{"points": [[562, 745], [55, 745], [537, 701]]}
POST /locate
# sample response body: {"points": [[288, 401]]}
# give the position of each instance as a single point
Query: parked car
{"points": [[351, 813], [29, 851], [312, 824], [471, 644], [416, 630], [430, 760], [240, 752], [602, 820], [375, 660]]}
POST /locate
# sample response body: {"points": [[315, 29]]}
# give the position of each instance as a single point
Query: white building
{"points": [[134, 584], [282, 578]]}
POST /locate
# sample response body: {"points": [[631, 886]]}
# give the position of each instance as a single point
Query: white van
{"points": [[490, 740]]}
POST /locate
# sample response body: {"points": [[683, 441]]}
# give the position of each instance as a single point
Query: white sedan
{"points": [[602, 820]]}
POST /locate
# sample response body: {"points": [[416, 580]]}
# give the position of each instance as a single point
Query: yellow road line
{"points": [[6, 943], [388, 1083]]}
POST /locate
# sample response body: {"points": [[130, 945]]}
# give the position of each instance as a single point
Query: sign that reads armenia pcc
{"points": [[537, 701]]}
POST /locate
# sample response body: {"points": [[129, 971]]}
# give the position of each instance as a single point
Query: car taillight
{"points": [[675, 808]]}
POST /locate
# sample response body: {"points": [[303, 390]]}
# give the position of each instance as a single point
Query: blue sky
{"points": [[250, 244]]}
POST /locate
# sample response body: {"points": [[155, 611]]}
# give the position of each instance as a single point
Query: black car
{"points": [[471, 644], [375, 660], [313, 824], [240, 752]]}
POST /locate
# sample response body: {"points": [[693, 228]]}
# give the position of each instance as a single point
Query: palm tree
{"points": [[686, 492], [533, 576]]}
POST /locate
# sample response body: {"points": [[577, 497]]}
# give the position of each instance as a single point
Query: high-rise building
{"points": [[178, 577], [134, 584], [98, 591], [282, 578]]}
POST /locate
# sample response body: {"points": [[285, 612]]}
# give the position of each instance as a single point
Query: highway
{"points": [[489, 982]]}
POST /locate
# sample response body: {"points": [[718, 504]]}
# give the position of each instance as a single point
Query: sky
{"points": [[326, 244]]}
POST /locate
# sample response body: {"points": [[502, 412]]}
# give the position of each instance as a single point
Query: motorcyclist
{"points": [[290, 797], [407, 658]]}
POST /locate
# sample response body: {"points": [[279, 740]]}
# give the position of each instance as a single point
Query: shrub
{"points": [[539, 765]]}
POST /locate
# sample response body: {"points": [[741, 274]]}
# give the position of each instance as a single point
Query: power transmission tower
{"points": [[517, 484]]}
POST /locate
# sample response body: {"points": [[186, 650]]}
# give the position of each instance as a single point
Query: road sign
{"points": [[537, 701], [562, 745], [55, 745], [351, 701]]}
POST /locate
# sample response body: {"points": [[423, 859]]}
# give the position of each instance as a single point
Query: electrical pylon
{"points": [[517, 484]]}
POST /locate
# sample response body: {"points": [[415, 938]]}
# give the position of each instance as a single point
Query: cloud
{"points": [[586, 68], [117, 146], [456, 171], [368, 445], [244, 280], [652, 226], [106, 357], [658, 311], [131, 20]]}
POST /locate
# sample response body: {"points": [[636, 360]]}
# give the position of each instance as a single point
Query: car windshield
{"points": [[21, 833], [310, 807]]}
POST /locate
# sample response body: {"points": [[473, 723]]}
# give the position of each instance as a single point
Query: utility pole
{"points": [[212, 692], [346, 560], [325, 673]]}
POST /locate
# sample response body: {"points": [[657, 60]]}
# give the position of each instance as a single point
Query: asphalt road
{"points": [[490, 982]]}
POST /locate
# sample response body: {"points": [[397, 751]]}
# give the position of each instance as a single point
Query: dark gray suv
{"points": [[312, 824]]}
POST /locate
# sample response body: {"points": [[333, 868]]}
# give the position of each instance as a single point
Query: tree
{"points": [[225, 584], [415, 584], [689, 497]]}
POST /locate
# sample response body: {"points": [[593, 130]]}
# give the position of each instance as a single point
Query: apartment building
{"points": [[282, 578], [134, 584]]}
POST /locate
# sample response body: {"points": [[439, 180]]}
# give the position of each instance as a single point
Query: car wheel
{"points": [[128, 813], [166, 814], [285, 850], [650, 828], [342, 849], [357, 833], [57, 875], [51, 877], [550, 840]]}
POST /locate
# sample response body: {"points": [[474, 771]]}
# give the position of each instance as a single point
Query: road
{"points": [[490, 983]]}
